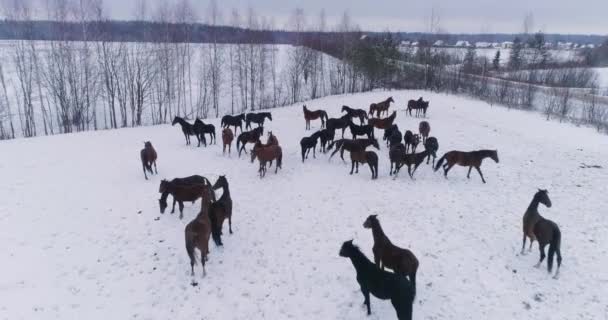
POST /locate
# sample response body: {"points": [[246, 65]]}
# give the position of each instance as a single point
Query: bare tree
{"points": [[215, 56]]}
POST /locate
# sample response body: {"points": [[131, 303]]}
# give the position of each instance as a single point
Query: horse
{"points": [[431, 145], [395, 137], [352, 113], [257, 118], [187, 128], [411, 159], [265, 155], [227, 137], [382, 284], [359, 155], [148, 157], [223, 206], [366, 130], [234, 121], [547, 232], [380, 107], [308, 143], [348, 144], [417, 105], [201, 129], [198, 231], [395, 155], [531, 217], [466, 159], [272, 140], [252, 136], [338, 123], [314, 115], [424, 128], [386, 254], [411, 141], [383, 123], [388, 132], [326, 136], [181, 192]]}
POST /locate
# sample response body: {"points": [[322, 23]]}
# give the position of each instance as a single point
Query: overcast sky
{"points": [[471, 16]]}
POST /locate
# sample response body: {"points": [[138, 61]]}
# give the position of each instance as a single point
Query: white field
{"points": [[82, 237]]}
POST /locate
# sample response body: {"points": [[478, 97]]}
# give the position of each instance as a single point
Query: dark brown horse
{"points": [[359, 155], [431, 145], [326, 136], [266, 155], [384, 123], [349, 145], [419, 105], [386, 254], [148, 157], [410, 141], [227, 137], [252, 136], [355, 113], [181, 192], [234, 121], [223, 206], [466, 159], [187, 129], [424, 128], [338, 123], [532, 216], [314, 115], [198, 231], [272, 140], [308, 143], [380, 107], [409, 160], [396, 155]]}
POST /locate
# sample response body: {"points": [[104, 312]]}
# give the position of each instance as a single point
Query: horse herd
{"points": [[400, 286]]}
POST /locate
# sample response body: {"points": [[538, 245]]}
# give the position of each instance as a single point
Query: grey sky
{"points": [[552, 16]]}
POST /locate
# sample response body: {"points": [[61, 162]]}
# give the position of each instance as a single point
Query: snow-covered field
{"points": [[82, 238]]}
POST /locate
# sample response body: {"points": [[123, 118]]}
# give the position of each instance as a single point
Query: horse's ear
{"points": [[375, 215]]}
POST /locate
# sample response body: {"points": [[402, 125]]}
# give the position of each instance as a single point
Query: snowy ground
{"points": [[82, 237]]}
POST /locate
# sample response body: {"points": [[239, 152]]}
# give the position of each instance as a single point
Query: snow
{"points": [[81, 232], [602, 77]]}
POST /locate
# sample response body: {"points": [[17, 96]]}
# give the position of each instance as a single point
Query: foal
{"points": [[227, 137], [148, 157], [466, 159], [382, 284], [198, 231], [386, 254]]}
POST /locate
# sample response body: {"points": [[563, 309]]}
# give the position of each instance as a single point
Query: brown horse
{"points": [[384, 123], [223, 206], [227, 137], [181, 193], [198, 231], [148, 157], [417, 105], [359, 155], [409, 160], [314, 115], [265, 155], [424, 128], [380, 107], [532, 216], [272, 140], [466, 159], [386, 254], [252, 136]]}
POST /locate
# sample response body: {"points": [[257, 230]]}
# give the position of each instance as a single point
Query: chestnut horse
{"points": [[227, 137], [265, 155], [380, 107], [386, 254], [384, 123], [148, 157], [314, 115], [198, 231], [466, 159], [272, 140]]}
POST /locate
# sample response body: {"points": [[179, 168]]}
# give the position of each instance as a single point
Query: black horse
{"points": [[187, 128], [355, 113], [350, 145], [411, 141], [431, 145], [257, 118], [308, 143], [388, 132], [338, 123], [382, 284], [326, 136], [252, 136], [366, 130], [201, 129], [233, 121]]}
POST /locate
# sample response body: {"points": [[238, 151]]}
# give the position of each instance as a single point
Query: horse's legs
{"points": [[155, 169], [446, 170], [181, 209], [342, 153], [390, 173], [523, 244], [203, 259], [480, 174], [173, 208], [230, 223], [541, 247], [356, 166], [352, 166], [371, 167], [365, 292], [409, 171], [469, 173], [313, 151], [144, 166]]}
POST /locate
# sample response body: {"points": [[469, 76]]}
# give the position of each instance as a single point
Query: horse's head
{"points": [[220, 183], [390, 99], [175, 120], [198, 121], [148, 144], [348, 248], [162, 202], [268, 115], [375, 143], [371, 108], [345, 108], [370, 220], [164, 184], [543, 197], [494, 155]]}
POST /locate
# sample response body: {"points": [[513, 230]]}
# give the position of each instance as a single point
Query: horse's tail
{"points": [[280, 159], [190, 239], [324, 115], [215, 227], [222, 122], [554, 247], [238, 140], [440, 162], [413, 281], [338, 143], [303, 150]]}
